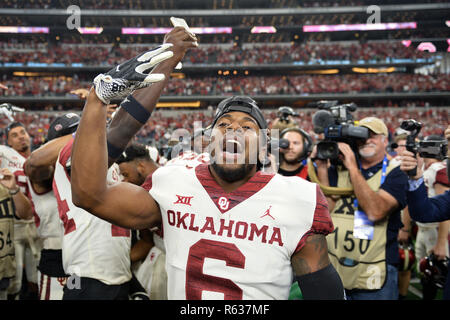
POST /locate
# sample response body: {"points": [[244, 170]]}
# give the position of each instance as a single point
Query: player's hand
{"points": [[182, 40], [403, 237], [409, 162], [110, 110], [8, 179], [3, 87], [439, 251], [81, 93], [347, 156], [8, 110], [132, 74]]}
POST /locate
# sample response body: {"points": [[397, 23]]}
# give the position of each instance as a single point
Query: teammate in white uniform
{"points": [[96, 253], [230, 231], [26, 241], [40, 168], [147, 255]]}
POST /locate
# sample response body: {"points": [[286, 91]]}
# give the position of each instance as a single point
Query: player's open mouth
{"points": [[232, 148]]}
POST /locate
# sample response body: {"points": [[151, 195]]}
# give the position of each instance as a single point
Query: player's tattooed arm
{"points": [[316, 276], [312, 257], [124, 126]]}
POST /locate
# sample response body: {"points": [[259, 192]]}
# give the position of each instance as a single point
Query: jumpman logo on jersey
{"points": [[183, 200], [267, 213]]}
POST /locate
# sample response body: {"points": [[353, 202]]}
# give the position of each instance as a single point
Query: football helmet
{"points": [[407, 257], [434, 270]]}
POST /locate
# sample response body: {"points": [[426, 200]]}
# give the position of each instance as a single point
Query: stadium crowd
{"points": [[158, 130], [253, 85], [307, 53]]}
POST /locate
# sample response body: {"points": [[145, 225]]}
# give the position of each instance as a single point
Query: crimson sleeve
{"points": [[322, 223]]}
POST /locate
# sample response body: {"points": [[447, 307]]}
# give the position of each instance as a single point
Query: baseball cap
{"points": [[63, 125], [374, 124], [243, 104]]}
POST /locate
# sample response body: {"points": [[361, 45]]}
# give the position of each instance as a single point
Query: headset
{"points": [[308, 144]]}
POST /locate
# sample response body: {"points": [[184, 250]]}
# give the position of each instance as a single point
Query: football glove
{"points": [[133, 74], [8, 110]]}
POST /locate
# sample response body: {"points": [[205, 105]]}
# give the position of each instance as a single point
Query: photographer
{"points": [[422, 208], [285, 119], [295, 147], [363, 248]]}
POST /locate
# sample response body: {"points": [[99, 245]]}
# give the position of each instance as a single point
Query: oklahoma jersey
{"points": [[49, 226], [92, 247], [13, 160], [190, 159], [235, 245]]}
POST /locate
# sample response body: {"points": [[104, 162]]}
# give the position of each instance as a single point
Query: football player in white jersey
{"points": [[39, 168], [26, 241], [136, 163], [230, 231]]}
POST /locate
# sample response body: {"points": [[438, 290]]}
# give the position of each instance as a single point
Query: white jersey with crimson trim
{"points": [[91, 247], [47, 219], [13, 160], [234, 245]]}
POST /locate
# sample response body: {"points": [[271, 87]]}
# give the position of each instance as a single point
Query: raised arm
{"points": [[123, 204], [124, 126]]}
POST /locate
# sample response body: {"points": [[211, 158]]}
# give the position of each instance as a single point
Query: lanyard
{"points": [[383, 177]]}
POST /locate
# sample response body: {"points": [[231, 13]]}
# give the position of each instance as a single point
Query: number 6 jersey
{"points": [[235, 245]]}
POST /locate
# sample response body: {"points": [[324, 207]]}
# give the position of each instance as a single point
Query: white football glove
{"points": [[133, 74], [8, 110]]}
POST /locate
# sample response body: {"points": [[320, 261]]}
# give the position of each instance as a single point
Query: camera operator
{"points": [[295, 146], [421, 207], [363, 248], [285, 119]]}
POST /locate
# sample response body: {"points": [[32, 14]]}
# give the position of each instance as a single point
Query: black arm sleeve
{"points": [[324, 284]]}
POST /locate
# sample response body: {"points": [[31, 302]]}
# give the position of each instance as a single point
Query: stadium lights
{"points": [[406, 43], [360, 27], [14, 29], [186, 104], [374, 70], [426, 46], [206, 30], [90, 30], [178, 75], [263, 29]]}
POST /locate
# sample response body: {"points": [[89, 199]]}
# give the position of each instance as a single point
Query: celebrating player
{"points": [[226, 211]]}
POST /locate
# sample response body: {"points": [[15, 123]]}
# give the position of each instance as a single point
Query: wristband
{"points": [[415, 184], [14, 192], [135, 109], [113, 151]]}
